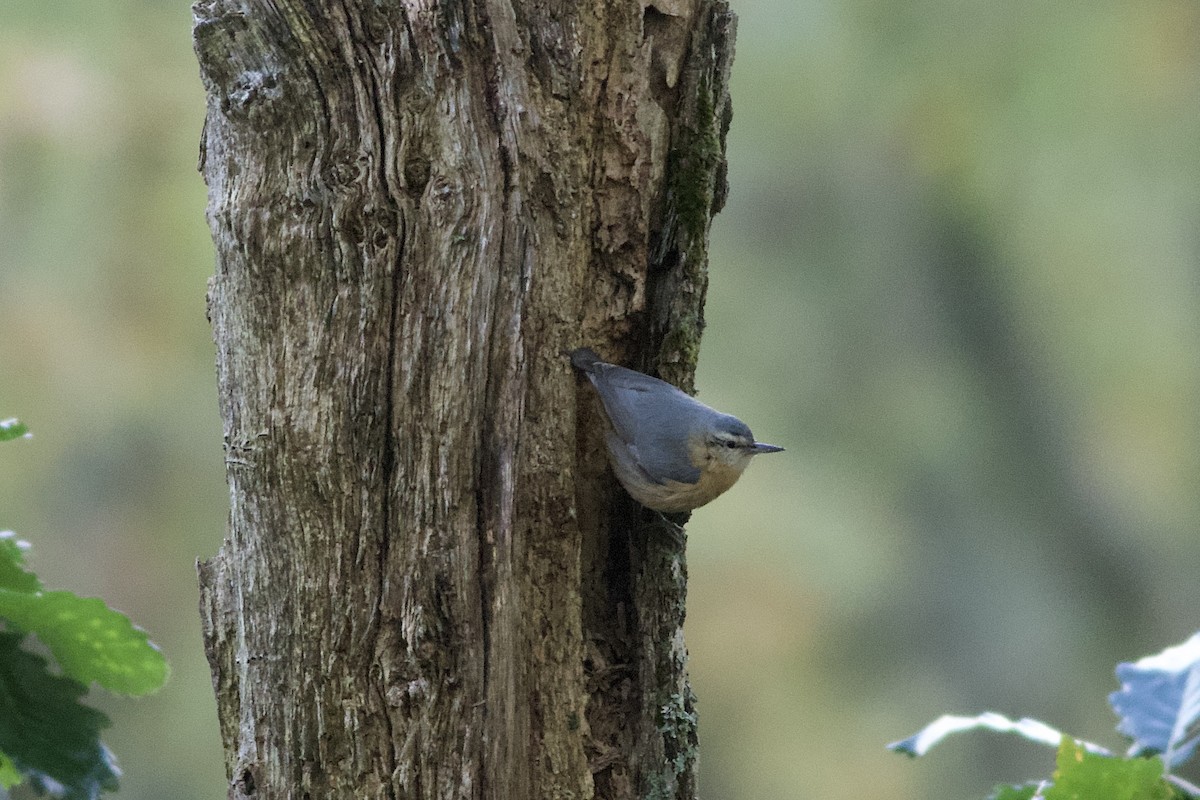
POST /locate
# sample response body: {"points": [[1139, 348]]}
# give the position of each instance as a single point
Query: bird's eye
{"points": [[731, 445]]}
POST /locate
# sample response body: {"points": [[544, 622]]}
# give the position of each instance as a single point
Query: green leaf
{"points": [[90, 641], [1159, 702], [45, 732], [1087, 776], [923, 740], [12, 429], [13, 574], [1005, 791], [10, 776]]}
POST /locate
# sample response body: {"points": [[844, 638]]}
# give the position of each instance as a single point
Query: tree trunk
{"points": [[431, 587]]}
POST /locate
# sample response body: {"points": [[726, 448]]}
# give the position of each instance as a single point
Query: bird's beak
{"points": [[759, 447]]}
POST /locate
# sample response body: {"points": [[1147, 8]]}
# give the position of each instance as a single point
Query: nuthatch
{"points": [[670, 451]]}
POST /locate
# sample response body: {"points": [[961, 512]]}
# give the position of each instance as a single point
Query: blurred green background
{"points": [[956, 278]]}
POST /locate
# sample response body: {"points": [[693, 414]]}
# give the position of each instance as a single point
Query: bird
{"points": [[669, 451]]}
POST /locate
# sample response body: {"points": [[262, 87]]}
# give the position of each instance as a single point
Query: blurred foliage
{"points": [[1159, 708], [51, 742], [12, 429], [104, 253], [956, 277], [49, 739]]}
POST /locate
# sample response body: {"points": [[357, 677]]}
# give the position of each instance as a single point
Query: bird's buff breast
{"points": [[674, 497]]}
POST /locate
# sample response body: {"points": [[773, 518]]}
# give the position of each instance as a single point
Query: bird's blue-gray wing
{"points": [[652, 418]]}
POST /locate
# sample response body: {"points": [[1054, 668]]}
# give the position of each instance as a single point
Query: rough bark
{"points": [[431, 588]]}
